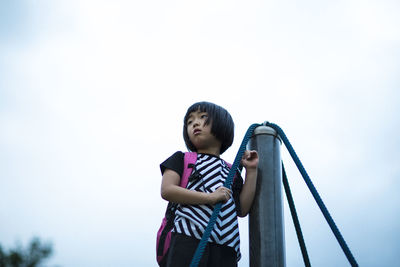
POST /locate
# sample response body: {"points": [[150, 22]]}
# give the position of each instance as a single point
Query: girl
{"points": [[208, 129]]}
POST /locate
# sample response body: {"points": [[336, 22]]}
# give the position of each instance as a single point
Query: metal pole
{"points": [[266, 224]]}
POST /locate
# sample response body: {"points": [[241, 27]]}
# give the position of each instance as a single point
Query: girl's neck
{"points": [[211, 151]]}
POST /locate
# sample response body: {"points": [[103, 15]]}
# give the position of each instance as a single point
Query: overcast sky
{"points": [[93, 94]]}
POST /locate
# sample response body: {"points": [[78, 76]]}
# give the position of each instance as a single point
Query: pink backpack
{"points": [[164, 233]]}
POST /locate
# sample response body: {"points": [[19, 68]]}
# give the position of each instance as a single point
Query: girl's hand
{"points": [[250, 159], [222, 194]]}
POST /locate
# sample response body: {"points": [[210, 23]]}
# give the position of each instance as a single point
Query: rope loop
{"points": [[315, 194], [228, 182]]}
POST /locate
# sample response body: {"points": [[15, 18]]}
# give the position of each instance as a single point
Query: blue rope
{"points": [[295, 218], [228, 182], [200, 249], [315, 194]]}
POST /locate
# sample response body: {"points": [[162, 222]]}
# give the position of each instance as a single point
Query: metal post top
{"points": [[264, 130], [261, 130]]}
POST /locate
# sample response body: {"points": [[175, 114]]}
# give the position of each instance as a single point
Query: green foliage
{"points": [[32, 256]]}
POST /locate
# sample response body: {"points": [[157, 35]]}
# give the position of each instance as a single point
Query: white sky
{"points": [[93, 94]]}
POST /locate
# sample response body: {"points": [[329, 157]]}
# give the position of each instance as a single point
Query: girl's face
{"points": [[199, 133]]}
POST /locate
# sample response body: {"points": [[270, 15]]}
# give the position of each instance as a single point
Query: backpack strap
{"points": [[189, 158], [230, 166], [227, 163]]}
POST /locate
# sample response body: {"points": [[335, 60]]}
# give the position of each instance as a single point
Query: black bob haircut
{"points": [[222, 126]]}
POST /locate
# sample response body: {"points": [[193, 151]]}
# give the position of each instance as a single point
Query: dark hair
{"points": [[222, 124]]}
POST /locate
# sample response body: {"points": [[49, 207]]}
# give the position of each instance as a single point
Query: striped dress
{"points": [[192, 220]]}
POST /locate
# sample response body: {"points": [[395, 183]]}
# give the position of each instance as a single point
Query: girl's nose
{"points": [[196, 123]]}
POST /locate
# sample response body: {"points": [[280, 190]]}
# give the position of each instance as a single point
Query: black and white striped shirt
{"points": [[192, 220]]}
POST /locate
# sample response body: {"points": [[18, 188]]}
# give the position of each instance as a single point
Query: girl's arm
{"points": [[171, 191], [250, 162]]}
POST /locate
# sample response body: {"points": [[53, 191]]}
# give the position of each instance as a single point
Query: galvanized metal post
{"points": [[266, 223]]}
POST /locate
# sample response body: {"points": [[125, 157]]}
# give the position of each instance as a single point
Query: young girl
{"points": [[208, 129]]}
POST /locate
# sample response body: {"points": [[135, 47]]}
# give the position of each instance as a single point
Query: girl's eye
{"points": [[189, 122], [204, 116]]}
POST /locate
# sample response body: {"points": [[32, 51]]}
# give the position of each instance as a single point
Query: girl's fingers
{"points": [[227, 193]]}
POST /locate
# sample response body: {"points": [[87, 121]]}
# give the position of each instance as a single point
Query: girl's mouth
{"points": [[196, 131]]}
